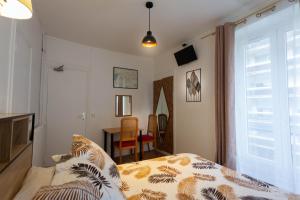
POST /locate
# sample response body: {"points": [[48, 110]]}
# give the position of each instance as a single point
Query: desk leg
{"points": [[141, 144], [105, 141], [112, 147]]}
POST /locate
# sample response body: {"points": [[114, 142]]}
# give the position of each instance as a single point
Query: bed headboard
{"points": [[11, 178]]}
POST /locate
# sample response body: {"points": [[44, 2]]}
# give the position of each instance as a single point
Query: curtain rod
{"points": [[257, 13]]}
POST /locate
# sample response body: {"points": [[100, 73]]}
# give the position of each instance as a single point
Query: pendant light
{"points": [[149, 40], [16, 9]]}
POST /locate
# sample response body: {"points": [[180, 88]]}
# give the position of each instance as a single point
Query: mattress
{"points": [[189, 176]]}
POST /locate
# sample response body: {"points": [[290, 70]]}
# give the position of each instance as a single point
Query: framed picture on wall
{"points": [[125, 78], [193, 86]]}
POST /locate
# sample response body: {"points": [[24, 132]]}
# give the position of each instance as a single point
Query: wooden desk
{"points": [[114, 131]]}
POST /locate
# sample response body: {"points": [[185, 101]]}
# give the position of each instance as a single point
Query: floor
{"points": [[147, 155]]}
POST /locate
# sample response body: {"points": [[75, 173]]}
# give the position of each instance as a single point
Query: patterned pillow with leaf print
{"points": [[76, 190], [83, 147], [78, 176]]}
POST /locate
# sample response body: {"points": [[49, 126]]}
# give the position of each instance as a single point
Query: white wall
{"points": [[194, 123], [5, 32], [101, 94], [30, 32], [17, 79], [39, 146]]}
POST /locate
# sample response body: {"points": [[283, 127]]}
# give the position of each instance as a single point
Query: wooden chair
{"points": [[151, 133], [162, 126], [128, 136]]}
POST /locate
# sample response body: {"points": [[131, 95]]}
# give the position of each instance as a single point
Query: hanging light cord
{"points": [[149, 19]]}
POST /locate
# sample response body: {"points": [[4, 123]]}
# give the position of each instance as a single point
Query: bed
{"points": [[189, 176], [181, 176]]}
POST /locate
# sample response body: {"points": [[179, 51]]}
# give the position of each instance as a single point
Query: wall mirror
{"points": [[163, 108], [123, 105], [162, 113]]}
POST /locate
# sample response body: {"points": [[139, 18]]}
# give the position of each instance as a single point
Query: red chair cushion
{"points": [[125, 143], [147, 138]]}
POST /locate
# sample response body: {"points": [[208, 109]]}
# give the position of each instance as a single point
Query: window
{"points": [[293, 64], [268, 99], [259, 98]]}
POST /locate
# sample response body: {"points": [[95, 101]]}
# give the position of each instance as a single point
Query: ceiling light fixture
{"points": [[149, 40], [16, 9]]}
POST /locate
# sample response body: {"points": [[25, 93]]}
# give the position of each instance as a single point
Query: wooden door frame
{"points": [[167, 84]]}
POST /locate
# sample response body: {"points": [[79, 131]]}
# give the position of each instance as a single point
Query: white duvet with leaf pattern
{"points": [[189, 177]]}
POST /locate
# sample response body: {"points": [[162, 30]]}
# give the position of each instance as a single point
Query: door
{"points": [[66, 109]]}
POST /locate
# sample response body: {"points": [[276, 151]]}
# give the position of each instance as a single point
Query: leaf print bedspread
{"points": [[191, 177]]}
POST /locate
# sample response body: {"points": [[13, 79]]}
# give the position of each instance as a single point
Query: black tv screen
{"points": [[186, 55]]}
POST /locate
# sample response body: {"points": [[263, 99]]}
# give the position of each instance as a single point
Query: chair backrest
{"points": [[152, 125], [162, 122], [129, 129]]}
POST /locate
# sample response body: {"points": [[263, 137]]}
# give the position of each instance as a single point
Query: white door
{"points": [[66, 109]]}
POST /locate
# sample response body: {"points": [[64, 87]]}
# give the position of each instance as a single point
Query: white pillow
{"points": [[83, 147], [63, 173], [82, 170], [36, 178]]}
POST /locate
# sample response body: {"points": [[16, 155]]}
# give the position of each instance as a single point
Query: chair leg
{"points": [[120, 156], [136, 154], [148, 147], [142, 151]]}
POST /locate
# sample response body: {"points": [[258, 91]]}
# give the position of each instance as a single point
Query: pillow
{"points": [[35, 179], [85, 148], [80, 169], [76, 190], [61, 158], [63, 173]]}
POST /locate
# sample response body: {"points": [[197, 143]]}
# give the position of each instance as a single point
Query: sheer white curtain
{"points": [[268, 97]]}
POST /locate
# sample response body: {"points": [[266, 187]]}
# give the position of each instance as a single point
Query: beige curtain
{"points": [[225, 109]]}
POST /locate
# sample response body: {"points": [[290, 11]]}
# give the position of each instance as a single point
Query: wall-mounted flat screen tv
{"points": [[185, 55]]}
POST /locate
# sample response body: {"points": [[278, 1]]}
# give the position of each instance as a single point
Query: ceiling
{"points": [[119, 25]]}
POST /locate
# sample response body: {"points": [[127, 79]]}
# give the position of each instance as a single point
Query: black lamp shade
{"points": [[149, 40]]}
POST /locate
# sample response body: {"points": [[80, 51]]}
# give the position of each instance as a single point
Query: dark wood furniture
{"points": [[151, 133], [116, 131], [16, 135], [12, 177]]}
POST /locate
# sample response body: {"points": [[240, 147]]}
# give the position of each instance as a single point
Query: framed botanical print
{"points": [[193, 86], [125, 78]]}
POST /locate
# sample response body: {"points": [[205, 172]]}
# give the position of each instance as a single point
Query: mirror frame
{"points": [[130, 99]]}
